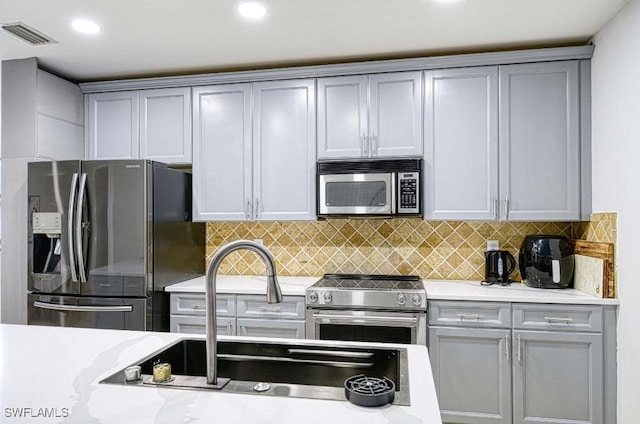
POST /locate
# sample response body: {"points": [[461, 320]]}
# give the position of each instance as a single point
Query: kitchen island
{"points": [[52, 375]]}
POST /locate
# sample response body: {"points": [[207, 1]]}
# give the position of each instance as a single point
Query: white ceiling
{"points": [[168, 37]]}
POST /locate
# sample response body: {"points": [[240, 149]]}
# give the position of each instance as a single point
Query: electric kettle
{"points": [[498, 265]]}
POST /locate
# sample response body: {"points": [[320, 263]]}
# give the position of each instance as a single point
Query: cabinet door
{"points": [[222, 153], [284, 156], [165, 125], [342, 117], [557, 377], [539, 141], [288, 329], [395, 114], [113, 125], [461, 143], [472, 374]]}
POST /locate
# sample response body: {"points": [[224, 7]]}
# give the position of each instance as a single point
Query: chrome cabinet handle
{"points": [[507, 346], [470, 316], [506, 208], [495, 208], [81, 190], [554, 319], [198, 307], [70, 219], [374, 145], [269, 309], [518, 350], [257, 210], [364, 146], [229, 329], [247, 209]]}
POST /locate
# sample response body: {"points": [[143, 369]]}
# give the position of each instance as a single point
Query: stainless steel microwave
{"points": [[385, 187]]}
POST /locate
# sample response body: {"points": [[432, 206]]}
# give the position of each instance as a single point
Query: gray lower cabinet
{"points": [[557, 377], [543, 364], [242, 315], [472, 373]]}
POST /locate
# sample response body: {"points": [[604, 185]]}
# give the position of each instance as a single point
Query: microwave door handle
{"points": [[394, 193], [80, 253], [70, 219]]}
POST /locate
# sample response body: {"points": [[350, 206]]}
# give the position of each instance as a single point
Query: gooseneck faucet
{"points": [[274, 295]]}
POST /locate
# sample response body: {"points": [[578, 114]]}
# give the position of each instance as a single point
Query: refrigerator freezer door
{"points": [[51, 201], [115, 221], [88, 312]]}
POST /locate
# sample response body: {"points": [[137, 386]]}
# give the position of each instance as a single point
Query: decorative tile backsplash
{"points": [[602, 228], [435, 250]]}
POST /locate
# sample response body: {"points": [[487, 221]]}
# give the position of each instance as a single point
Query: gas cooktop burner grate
{"points": [[379, 282], [369, 391]]}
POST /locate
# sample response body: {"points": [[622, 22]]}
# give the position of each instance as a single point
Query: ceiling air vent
{"points": [[27, 34]]}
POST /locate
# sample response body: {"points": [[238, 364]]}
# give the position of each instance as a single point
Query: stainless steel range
{"points": [[371, 308]]}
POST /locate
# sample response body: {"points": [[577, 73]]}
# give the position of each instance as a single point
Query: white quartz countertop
{"points": [[245, 284], [52, 374], [516, 292]]}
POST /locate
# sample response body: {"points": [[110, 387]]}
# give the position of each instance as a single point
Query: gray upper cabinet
{"points": [[250, 141], [222, 153], [503, 143], [379, 115], [461, 143], [165, 125], [145, 124], [112, 125], [540, 141]]}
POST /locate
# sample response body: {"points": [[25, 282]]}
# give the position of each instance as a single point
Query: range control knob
{"points": [[313, 297], [402, 299], [416, 299], [328, 298]]}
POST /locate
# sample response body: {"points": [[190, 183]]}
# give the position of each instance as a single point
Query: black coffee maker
{"points": [[497, 267]]}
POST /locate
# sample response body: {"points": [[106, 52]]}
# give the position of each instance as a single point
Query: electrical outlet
{"points": [[259, 241], [493, 245]]}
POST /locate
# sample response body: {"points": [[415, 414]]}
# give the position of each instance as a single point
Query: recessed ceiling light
{"points": [[252, 10], [86, 27]]}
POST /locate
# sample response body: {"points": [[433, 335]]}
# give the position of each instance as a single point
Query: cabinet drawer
{"points": [[292, 307], [529, 316], [226, 326], [470, 314], [194, 304], [280, 328]]}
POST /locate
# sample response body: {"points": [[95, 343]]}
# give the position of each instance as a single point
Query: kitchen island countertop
{"points": [[52, 375]]}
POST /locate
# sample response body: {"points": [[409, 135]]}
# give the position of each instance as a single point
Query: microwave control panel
{"points": [[408, 192]]}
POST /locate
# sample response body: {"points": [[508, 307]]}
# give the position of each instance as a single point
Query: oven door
{"points": [[356, 194], [367, 326]]}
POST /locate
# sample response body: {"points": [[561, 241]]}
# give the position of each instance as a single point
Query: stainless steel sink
{"points": [[297, 369]]}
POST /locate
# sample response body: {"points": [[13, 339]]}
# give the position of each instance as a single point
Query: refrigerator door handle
{"points": [[83, 184], [70, 219], [74, 308]]}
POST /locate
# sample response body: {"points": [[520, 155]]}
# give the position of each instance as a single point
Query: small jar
{"points": [[161, 372]]}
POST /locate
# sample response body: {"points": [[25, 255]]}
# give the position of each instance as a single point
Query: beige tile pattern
{"points": [[438, 250], [602, 228]]}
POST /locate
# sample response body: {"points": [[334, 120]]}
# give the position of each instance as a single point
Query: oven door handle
{"points": [[390, 321]]}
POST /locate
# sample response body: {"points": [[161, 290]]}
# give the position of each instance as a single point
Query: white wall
{"points": [[616, 172]]}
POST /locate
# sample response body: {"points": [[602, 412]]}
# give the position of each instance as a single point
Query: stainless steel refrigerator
{"points": [[105, 238]]}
